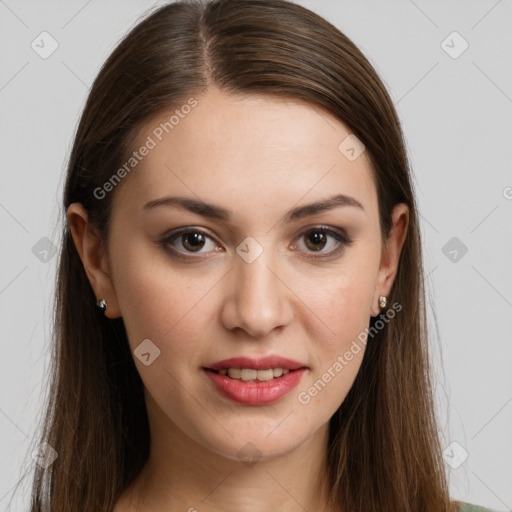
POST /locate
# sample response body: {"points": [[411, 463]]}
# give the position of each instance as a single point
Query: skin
{"points": [[259, 157]]}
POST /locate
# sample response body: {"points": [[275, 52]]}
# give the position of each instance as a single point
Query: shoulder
{"points": [[468, 507]]}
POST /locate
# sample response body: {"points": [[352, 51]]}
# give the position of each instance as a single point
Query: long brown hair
{"points": [[384, 452]]}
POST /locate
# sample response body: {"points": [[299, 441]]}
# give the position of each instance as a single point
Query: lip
{"points": [[255, 393], [262, 363]]}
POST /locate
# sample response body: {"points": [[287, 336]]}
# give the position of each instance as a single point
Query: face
{"points": [[255, 275]]}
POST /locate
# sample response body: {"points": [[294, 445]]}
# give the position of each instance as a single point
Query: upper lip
{"points": [[262, 363]]}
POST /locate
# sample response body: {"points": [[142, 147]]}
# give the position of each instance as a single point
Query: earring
{"points": [[102, 305], [383, 301]]}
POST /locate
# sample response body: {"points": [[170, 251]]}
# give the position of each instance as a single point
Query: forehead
{"points": [[245, 152]]}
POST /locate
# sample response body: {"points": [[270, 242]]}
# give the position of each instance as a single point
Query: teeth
{"points": [[234, 373], [264, 374], [249, 374]]}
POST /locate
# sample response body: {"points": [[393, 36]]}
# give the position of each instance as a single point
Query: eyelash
{"points": [[341, 237]]}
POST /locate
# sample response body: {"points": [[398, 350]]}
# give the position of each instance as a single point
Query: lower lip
{"points": [[256, 393]]}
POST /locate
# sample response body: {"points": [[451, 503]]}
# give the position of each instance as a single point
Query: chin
{"points": [[254, 444]]}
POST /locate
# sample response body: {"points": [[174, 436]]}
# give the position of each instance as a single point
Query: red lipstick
{"points": [[254, 391]]}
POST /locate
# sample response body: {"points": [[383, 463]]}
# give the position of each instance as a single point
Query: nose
{"points": [[259, 300]]}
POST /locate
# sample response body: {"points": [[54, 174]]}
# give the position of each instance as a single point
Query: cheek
{"points": [[342, 300], [338, 352], [160, 300], [342, 304]]}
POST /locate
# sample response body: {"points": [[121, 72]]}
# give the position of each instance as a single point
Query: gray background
{"points": [[456, 112]]}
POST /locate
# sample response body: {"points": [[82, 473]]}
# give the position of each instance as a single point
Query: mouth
{"points": [[250, 369], [251, 374], [255, 381]]}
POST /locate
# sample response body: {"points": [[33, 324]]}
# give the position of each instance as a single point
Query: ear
{"points": [[390, 254], [94, 257]]}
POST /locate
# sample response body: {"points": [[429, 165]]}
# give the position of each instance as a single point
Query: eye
{"points": [[317, 238], [191, 240]]}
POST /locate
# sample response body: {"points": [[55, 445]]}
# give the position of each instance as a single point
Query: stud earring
{"points": [[383, 301], [102, 306]]}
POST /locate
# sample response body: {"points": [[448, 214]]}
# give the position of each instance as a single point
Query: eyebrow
{"points": [[216, 212]]}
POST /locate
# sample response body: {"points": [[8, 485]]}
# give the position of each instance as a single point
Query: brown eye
{"points": [[317, 239], [188, 241], [193, 241]]}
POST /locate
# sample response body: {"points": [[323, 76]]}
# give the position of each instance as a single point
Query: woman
{"points": [[240, 319]]}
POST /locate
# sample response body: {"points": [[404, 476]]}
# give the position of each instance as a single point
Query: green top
{"points": [[468, 507]]}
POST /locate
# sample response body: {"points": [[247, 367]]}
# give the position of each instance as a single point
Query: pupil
{"points": [[317, 237], [196, 243]]}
